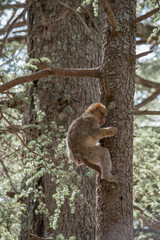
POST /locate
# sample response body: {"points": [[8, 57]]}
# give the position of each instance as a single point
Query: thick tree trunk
{"points": [[57, 33], [114, 203]]}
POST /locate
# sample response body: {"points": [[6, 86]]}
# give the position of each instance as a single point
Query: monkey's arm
{"points": [[107, 132]]}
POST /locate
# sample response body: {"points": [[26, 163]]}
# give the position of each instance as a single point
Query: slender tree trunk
{"points": [[57, 33], [114, 203]]}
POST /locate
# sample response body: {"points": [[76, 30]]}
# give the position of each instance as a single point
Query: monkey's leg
{"points": [[100, 156], [106, 165]]}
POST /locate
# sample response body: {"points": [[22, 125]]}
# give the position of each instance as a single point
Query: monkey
{"points": [[83, 136]]}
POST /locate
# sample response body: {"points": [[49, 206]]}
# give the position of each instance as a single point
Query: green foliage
{"points": [[93, 3], [146, 180], [9, 218], [61, 237], [26, 164], [37, 163], [46, 153], [10, 209], [32, 62], [54, 166]]}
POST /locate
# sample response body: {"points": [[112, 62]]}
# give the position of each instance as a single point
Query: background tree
{"points": [[146, 141], [57, 31]]}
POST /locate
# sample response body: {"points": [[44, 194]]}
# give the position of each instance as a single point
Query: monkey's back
{"points": [[80, 135], [82, 128]]}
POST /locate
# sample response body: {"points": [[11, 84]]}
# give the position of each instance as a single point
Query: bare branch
{"points": [[77, 14], [144, 31], [35, 237], [139, 42], [146, 113], [7, 174], [158, 3], [143, 213], [10, 20], [20, 39], [110, 14], [147, 15], [16, 25], [13, 24], [90, 16], [153, 226], [65, 72], [12, 6], [149, 99], [15, 132], [146, 83], [143, 54]]}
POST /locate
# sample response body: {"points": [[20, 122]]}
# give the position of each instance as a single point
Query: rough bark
{"points": [[114, 202], [57, 33]]}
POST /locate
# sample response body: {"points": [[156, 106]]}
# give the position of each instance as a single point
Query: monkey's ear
{"points": [[98, 105]]}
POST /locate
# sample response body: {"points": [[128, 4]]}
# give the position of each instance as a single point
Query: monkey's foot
{"points": [[111, 178]]}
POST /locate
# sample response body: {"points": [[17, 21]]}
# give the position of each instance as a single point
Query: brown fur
{"points": [[82, 138]]}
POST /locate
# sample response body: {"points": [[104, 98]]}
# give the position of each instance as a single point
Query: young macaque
{"points": [[83, 136]]}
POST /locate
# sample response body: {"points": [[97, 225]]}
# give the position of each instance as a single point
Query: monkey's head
{"points": [[99, 110]]}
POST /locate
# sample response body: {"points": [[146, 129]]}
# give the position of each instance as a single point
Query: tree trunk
{"points": [[114, 202], [57, 33]]}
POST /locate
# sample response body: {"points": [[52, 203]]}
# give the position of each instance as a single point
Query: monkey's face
{"points": [[99, 110], [102, 118], [101, 114]]}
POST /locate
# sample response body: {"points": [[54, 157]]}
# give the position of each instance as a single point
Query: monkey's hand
{"points": [[109, 131]]}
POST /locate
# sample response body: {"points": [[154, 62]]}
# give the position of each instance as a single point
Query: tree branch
{"points": [[13, 103], [153, 226], [20, 39], [149, 99], [110, 14], [158, 3], [146, 113], [77, 14], [21, 140], [91, 18], [13, 24], [65, 72], [16, 25], [35, 237], [139, 42], [12, 6], [7, 174], [146, 83], [143, 54], [144, 31], [147, 15], [140, 210]]}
